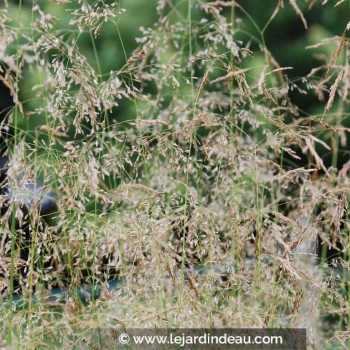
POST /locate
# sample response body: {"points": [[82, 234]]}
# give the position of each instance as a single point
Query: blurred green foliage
{"points": [[285, 37]]}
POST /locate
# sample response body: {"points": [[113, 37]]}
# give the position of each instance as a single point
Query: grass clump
{"points": [[183, 168]]}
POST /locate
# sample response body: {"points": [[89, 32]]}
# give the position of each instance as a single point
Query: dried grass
{"points": [[193, 208]]}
